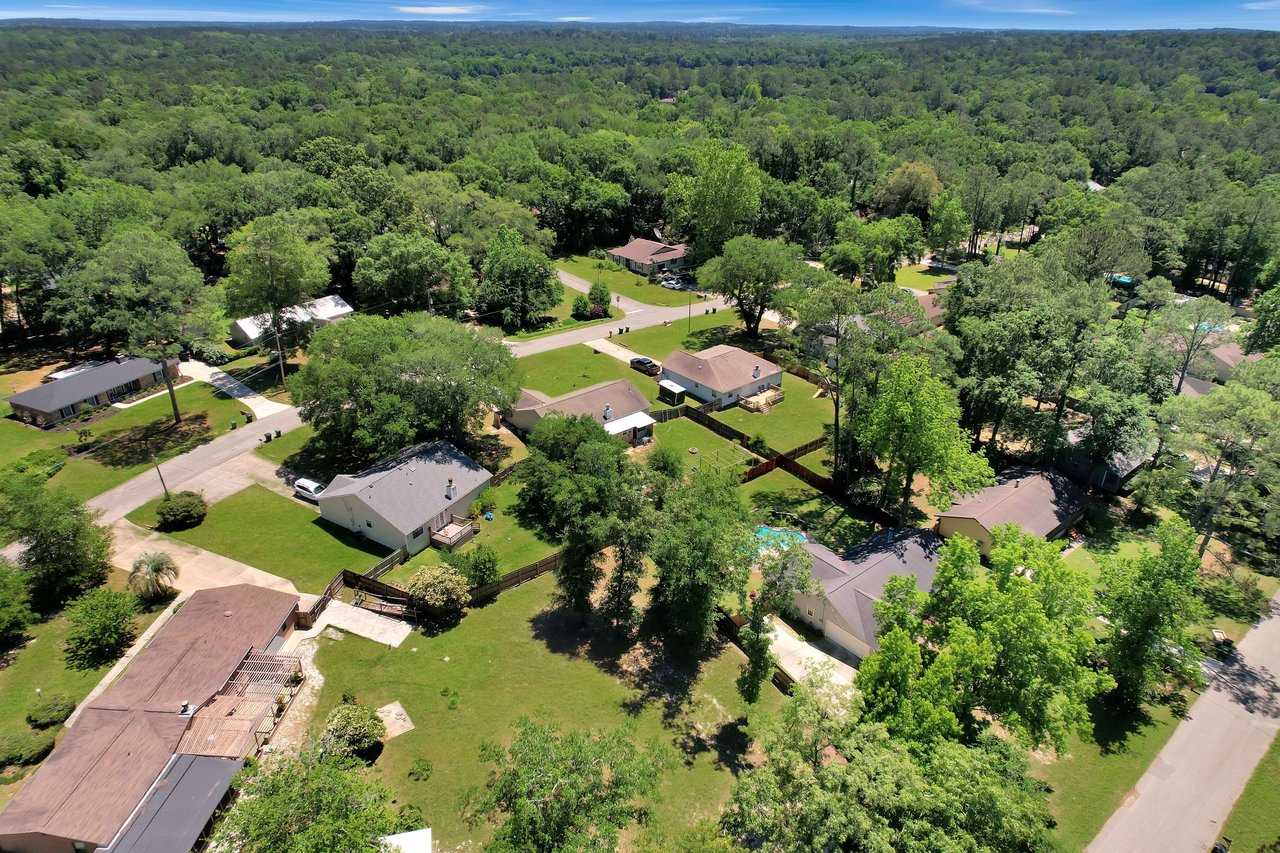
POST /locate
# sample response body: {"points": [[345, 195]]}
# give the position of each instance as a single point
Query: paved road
{"points": [[638, 316], [125, 498], [1183, 799]]}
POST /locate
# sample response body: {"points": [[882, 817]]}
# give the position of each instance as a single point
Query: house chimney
{"points": [[608, 411], [755, 374], [448, 490]]}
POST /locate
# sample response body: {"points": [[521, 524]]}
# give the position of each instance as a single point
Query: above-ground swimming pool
{"points": [[773, 537]]}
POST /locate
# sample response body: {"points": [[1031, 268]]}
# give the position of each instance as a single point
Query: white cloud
{"points": [[1264, 5], [574, 18], [439, 10]]}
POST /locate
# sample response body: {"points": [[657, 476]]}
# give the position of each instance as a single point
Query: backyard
{"points": [[685, 435], [799, 418], [560, 371], [623, 281], [778, 498], [921, 276], [516, 544], [518, 656], [279, 535]]}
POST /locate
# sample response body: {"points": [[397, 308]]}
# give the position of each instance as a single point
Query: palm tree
{"points": [[151, 574]]}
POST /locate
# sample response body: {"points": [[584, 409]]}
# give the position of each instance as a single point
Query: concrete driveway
{"points": [[1181, 802]]}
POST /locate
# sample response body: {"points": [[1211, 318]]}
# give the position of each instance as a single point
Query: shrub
{"points": [[581, 307], [758, 445], [479, 565], [484, 502], [15, 612], [210, 353], [348, 697], [596, 254], [48, 711], [439, 588], [41, 464], [102, 627], [182, 510], [352, 729], [420, 769], [25, 749]]}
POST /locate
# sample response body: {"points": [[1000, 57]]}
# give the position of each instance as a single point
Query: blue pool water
{"points": [[771, 537]]}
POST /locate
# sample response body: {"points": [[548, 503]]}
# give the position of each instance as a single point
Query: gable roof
{"points": [[1122, 463], [83, 384], [620, 396], [122, 742], [720, 368], [1040, 501], [407, 488], [649, 251], [326, 308], [1193, 386], [854, 582], [1231, 354]]}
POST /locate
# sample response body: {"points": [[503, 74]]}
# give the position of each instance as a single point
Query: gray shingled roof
{"points": [[410, 487], [52, 396], [721, 368], [854, 582], [620, 395]]}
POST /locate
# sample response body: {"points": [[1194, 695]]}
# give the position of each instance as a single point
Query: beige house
{"points": [[417, 498], [1223, 361], [849, 586], [1042, 502], [75, 391], [649, 257], [722, 374], [617, 406]]}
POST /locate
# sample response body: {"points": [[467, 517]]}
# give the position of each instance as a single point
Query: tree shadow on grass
{"points": [[731, 334], [162, 438], [1115, 722], [319, 461], [728, 742], [488, 450]]}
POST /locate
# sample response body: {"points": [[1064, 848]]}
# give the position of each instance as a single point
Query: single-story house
{"points": [[931, 304], [721, 374], [411, 500], [617, 406], [79, 390], [250, 331], [1223, 361], [1193, 386], [850, 585], [1114, 476], [1043, 502], [648, 257], [147, 763]]}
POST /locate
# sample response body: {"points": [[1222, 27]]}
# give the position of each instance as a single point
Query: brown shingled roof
{"points": [[649, 251], [1040, 501], [720, 368], [620, 395]]}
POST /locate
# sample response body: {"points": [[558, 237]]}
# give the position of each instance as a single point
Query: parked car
{"points": [[672, 284], [647, 366], [308, 490]]}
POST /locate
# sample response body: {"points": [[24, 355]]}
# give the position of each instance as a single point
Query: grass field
{"points": [[1255, 820], [517, 545], [683, 434], [623, 281], [560, 371], [800, 417], [558, 319], [705, 330], [1093, 777], [921, 276], [817, 514], [276, 534], [520, 657], [40, 664]]}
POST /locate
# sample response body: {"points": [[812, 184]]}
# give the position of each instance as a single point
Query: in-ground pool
{"points": [[772, 537]]}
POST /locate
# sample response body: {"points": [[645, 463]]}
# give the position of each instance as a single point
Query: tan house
{"points": [[1042, 502], [617, 406], [849, 586], [1223, 361], [417, 498], [146, 765], [722, 374], [75, 391], [649, 257]]}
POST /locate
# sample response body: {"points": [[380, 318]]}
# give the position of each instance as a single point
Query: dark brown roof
{"points": [[649, 251], [122, 741], [1040, 501], [720, 368]]}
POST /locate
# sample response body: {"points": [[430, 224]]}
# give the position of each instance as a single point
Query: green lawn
{"points": [[683, 434], [517, 657], [560, 371], [40, 664], [1093, 777], [18, 439], [819, 461], [921, 276], [705, 330], [516, 544], [800, 417], [286, 446], [623, 281], [1255, 820], [276, 534], [823, 518], [558, 319]]}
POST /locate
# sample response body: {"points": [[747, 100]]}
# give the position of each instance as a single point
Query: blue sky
{"points": [[1021, 14]]}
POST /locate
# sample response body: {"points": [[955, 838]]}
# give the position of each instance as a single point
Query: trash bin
{"points": [[277, 433], [713, 310], [233, 424], [266, 436], [248, 417]]}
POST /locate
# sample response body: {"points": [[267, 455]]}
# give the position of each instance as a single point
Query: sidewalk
{"points": [[233, 388], [608, 347], [1185, 796]]}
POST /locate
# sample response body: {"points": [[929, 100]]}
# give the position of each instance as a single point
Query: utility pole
{"points": [[690, 327], [160, 475], [280, 354]]}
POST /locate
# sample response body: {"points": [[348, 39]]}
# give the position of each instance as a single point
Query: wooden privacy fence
{"points": [[517, 577], [505, 474], [307, 618], [387, 564]]}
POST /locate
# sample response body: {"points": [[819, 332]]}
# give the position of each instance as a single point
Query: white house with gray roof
{"points": [[405, 501]]}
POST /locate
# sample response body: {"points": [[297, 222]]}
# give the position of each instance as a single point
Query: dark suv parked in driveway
{"points": [[647, 366]]}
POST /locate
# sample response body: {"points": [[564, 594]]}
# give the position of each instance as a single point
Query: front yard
{"points": [[519, 656], [623, 281], [558, 319], [799, 418], [560, 371], [1255, 820], [279, 535], [921, 276], [704, 330]]}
